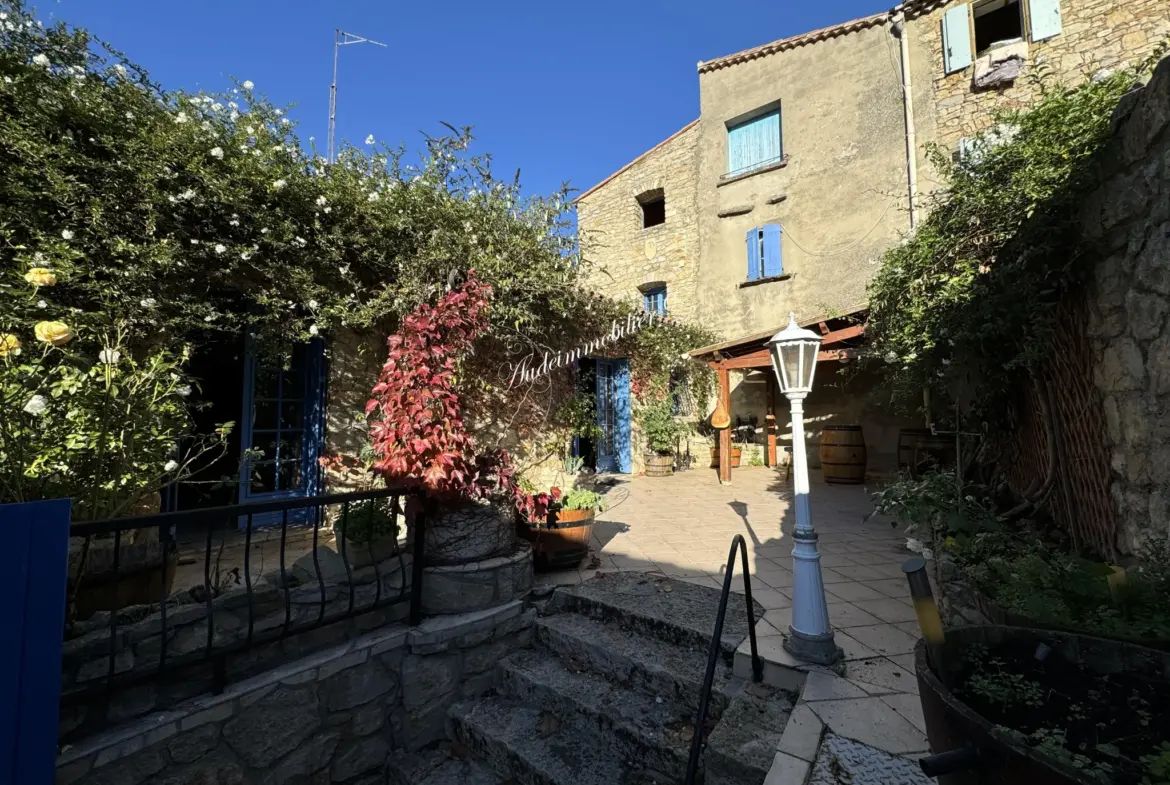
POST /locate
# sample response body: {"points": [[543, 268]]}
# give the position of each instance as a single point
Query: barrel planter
{"points": [[563, 541], [843, 454], [736, 455], [659, 465], [1078, 664], [997, 615]]}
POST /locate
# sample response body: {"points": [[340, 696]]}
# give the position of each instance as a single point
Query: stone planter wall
{"points": [[334, 716], [458, 588]]}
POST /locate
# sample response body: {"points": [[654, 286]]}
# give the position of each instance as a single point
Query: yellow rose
{"points": [[56, 333], [41, 276], [9, 344]]}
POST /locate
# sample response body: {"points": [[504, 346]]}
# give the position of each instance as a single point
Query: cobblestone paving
{"points": [[844, 760]]}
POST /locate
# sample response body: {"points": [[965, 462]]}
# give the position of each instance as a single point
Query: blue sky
{"points": [[561, 90]]}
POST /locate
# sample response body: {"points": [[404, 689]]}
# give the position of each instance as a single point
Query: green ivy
{"points": [[972, 293]]}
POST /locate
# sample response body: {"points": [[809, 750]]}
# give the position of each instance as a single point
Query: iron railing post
{"points": [[416, 575]]}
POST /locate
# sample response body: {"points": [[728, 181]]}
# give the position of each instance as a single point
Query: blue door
{"points": [[613, 415], [282, 423]]}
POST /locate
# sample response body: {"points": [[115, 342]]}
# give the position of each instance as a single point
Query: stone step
{"points": [[438, 767], [742, 747], [653, 730], [535, 747], [652, 666], [670, 610]]}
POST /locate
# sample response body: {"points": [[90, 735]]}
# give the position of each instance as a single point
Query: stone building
{"points": [[809, 160]]}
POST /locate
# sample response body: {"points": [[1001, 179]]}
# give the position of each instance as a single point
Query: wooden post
{"points": [[725, 433], [770, 418]]}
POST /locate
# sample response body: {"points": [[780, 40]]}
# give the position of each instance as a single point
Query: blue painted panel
{"points": [[621, 407], [773, 262], [753, 253], [606, 460], [654, 300], [1045, 19], [956, 34], [36, 540]]}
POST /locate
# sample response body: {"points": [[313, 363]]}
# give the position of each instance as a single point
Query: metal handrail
{"points": [[716, 646]]}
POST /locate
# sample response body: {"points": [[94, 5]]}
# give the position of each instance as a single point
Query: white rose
{"points": [[313, 330], [181, 117], [220, 247], [248, 84], [41, 60], [370, 139], [36, 404], [217, 152], [183, 391], [109, 356], [149, 302], [281, 183], [170, 466], [312, 304], [66, 234], [321, 201]]}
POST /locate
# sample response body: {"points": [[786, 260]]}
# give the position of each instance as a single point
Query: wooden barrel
{"points": [[843, 454], [919, 450], [659, 465]]}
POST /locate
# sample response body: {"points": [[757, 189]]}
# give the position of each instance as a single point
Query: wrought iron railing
{"points": [[717, 644], [159, 597]]}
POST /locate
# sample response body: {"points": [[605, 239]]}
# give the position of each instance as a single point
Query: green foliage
{"points": [[1037, 580], [583, 499], [1157, 766], [660, 426], [97, 424], [368, 521], [1000, 687], [579, 414], [658, 352], [931, 505], [974, 290]]}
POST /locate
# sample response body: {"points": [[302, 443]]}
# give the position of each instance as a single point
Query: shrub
{"points": [[659, 425], [583, 499]]}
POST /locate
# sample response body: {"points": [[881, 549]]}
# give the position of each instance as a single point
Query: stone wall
{"points": [[620, 255], [1097, 34], [333, 717], [355, 360], [1129, 301]]}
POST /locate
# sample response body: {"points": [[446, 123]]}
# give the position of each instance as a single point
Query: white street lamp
{"points": [[794, 358]]}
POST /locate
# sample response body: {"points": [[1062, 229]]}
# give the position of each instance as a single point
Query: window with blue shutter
{"points": [[654, 300], [755, 143], [764, 257], [773, 263], [956, 35]]}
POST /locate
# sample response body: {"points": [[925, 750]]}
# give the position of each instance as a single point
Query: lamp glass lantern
{"points": [[794, 357]]}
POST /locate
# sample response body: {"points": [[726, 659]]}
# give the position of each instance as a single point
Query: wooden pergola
{"points": [[840, 338]]}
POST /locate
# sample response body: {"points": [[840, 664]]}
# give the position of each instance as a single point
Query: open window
{"points": [[653, 208], [997, 22]]}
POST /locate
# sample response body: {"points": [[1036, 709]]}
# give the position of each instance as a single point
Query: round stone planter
{"points": [[474, 586], [476, 531]]}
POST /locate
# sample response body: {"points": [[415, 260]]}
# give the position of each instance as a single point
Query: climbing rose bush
{"points": [[417, 427]]}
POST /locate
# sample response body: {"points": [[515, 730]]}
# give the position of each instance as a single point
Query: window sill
{"points": [[734, 177], [758, 281]]}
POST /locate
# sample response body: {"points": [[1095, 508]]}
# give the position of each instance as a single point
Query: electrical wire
{"points": [[843, 249]]}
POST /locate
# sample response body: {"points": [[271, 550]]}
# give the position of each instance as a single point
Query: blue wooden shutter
{"points": [[956, 33], [755, 142], [621, 405], [737, 139], [753, 253], [1045, 19], [773, 263]]}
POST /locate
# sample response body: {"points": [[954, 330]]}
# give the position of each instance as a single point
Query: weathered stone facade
{"points": [[1096, 35], [1129, 301], [332, 717], [622, 257]]}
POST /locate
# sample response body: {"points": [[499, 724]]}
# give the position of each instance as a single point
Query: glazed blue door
{"points": [[282, 423], [613, 415]]}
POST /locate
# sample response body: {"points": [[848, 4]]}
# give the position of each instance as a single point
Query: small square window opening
{"points": [[653, 210], [654, 300], [996, 22]]}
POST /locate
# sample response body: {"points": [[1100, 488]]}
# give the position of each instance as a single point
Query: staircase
{"points": [[608, 696]]}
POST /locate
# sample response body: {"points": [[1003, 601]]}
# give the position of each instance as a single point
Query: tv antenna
{"points": [[340, 39]]}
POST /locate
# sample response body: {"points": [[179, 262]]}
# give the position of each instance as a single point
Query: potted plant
{"points": [[368, 531], [662, 431], [419, 434], [561, 538]]}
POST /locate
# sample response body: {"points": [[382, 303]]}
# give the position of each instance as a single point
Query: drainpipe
{"points": [[899, 30]]}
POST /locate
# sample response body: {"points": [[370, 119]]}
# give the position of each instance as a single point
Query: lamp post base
{"points": [[817, 649]]}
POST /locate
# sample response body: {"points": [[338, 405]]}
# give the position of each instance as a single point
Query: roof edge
{"points": [[625, 168], [792, 42]]}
